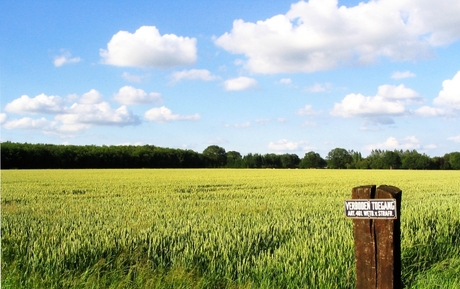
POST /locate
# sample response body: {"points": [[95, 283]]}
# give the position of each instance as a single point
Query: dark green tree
{"points": [[312, 160], [338, 158], [391, 160], [290, 161], [215, 156], [234, 160]]}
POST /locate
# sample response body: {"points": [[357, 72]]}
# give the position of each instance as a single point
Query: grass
{"points": [[214, 228]]}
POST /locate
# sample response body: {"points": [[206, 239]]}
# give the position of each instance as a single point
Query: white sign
{"points": [[371, 209]]}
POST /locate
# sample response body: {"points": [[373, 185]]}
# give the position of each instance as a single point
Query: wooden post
{"points": [[378, 242]]}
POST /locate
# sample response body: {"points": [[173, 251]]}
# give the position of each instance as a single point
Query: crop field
{"points": [[218, 228]]}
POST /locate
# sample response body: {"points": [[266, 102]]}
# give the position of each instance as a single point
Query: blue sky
{"points": [[250, 76]]}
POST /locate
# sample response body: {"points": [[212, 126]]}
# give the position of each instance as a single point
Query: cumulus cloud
{"points": [[449, 96], [239, 83], [147, 48], [88, 110], [447, 103], [97, 114], [319, 87], [3, 118], [193, 74], [91, 97], [286, 81], [65, 58], [285, 145], [320, 35], [307, 110], [390, 101], [409, 143], [427, 111], [402, 74], [129, 95], [27, 123], [39, 104], [164, 114]]}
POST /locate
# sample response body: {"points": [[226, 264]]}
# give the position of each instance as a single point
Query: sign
{"points": [[371, 209]]}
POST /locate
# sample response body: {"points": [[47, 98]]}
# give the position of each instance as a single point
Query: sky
{"points": [[251, 76]]}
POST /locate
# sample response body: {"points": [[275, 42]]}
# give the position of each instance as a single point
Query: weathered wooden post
{"points": [[376, 229]]}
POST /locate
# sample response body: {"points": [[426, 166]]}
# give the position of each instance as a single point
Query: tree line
{"points": [[49, 156]]}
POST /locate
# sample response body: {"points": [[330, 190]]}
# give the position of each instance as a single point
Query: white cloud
{"points": [[286, 81], [285, 145], [65, 58], [307, 110], [389, 101], [97, 114], [319, 35], [27, 123], [427, 111], [402, 74], [409, 143], [449, 96], [164, 114], [200, 74], [129, 95], [91, 97], [319, 87], [147, 48], [239, 83], [3, 118], [39, 104], [133, 78], [455, 138]]}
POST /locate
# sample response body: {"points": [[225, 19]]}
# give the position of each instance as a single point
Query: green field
{"points": [[217, 228]]}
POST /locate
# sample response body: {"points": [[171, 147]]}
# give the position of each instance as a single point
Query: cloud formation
{"points": [[192, 74], [164, 114], [239, 83], [447, 103], [39, 104], [409, 143], [450, 93], [319, 35], [307, 110], [89, 110], [129, 95], [147, 48], [390, 101], [65, 58], [285, 145], [402, 74]]}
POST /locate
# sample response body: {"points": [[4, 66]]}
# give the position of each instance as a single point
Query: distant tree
{"points": [[215, 156], [253, 161], [454, 160], [234, 160], [271, 161], [338, 158], [357, 159], [391, 160], [312, 160], [413, 160], [290, 161]]}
